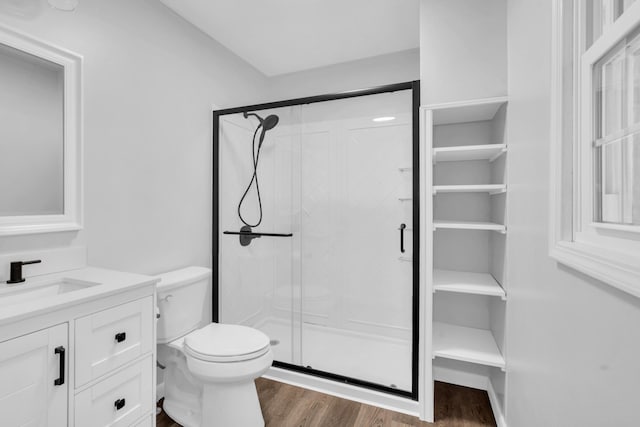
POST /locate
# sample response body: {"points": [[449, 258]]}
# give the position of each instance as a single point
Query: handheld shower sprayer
{"points": [[266, 124]]}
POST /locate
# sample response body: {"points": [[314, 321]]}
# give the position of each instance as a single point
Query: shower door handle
{"points": [[402, 227]]}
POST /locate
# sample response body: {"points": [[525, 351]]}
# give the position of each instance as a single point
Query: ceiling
{"points": [[285, 36]]}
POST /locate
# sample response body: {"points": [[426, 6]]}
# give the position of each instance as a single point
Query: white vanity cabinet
{"points": [[33, 372], [86, 360]]}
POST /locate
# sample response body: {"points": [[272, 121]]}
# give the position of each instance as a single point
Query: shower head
{"points": [[270, 122], [267, 124]]}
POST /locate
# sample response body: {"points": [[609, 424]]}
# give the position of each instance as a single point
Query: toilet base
{"points": [[231, 404], [181, 414]]}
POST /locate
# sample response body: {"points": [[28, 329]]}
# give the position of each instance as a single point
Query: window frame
{"points": [[608, 252]]}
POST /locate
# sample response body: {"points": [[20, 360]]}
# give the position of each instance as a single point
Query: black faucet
{"points": [[16, 270]]}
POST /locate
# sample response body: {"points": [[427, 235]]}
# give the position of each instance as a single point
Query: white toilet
{"points": [[210, 368]]}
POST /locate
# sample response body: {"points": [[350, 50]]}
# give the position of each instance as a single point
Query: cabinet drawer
{"points": [[110, 338], [130, 390]]}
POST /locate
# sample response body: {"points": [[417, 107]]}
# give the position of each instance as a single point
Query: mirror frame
{"points": [[72, 216]]}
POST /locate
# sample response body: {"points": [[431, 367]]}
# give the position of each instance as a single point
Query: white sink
{"points": [[24, 292]]}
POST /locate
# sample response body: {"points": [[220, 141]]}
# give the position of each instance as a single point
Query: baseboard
{"points": [[495, 405]]}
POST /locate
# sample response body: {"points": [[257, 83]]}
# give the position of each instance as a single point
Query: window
{"points": [[595, 223], [616, 139]]}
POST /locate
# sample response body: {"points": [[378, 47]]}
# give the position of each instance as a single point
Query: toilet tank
{"points": [[184, 302]]}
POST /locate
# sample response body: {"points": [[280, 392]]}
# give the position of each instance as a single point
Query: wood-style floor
{"points": [[284, 405]]}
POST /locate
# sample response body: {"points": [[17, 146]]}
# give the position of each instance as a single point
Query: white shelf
{"points": [[469, 225], [466, 344], [475, 110], [488, 188], [467, 283], [468, 152]]}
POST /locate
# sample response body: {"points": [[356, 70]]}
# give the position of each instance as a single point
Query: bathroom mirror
{"points": [[40, 136]]}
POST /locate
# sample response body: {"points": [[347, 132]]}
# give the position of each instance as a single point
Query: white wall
{"points": [[462, 50], [150, 83], [364, 73], [573, 343]]}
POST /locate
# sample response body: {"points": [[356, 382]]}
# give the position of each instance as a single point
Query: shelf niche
{"points": [[469, 154], [466, 344], [467, 283], [473, 188], [469, 225], [461, 153]]}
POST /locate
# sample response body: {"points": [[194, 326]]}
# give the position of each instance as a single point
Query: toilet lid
{"points": [[226, 343]]}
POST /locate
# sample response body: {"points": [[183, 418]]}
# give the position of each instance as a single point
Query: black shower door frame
{"points": [[414, 86]]}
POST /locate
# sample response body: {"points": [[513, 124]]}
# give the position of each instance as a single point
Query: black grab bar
{"points": [[247, 235], [251, 233]]}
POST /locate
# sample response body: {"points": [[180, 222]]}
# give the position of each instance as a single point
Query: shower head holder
{"points": [[246, 235]]}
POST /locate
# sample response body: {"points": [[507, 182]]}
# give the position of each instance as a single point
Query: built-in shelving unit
{"points": [[465, 282], [466, 344], [469, 153]]}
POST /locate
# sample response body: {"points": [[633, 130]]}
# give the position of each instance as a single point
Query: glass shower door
{"points": [[355, 231]]}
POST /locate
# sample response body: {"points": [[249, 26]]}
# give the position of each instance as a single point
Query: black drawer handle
{"points": [[119, 404], [121, 336], [61, 351]]}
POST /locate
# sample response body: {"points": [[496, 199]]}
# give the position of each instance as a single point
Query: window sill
{"points": [[598, 263]]}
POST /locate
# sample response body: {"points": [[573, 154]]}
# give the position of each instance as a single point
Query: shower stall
{"points": [[315, 232]]}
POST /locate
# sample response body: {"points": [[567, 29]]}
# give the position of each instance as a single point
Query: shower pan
{"points": [[315, 232]]}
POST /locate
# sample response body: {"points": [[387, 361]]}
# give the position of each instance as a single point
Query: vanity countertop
{"points": [[102, 283]]}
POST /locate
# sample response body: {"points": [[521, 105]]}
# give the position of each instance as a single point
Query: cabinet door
{"points": [[33, 390]]}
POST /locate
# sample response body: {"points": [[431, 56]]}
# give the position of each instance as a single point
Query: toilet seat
{"points": [[225, 343]]}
